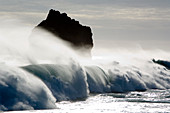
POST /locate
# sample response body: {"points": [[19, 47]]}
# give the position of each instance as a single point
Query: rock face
{"points": [[163, 63], [69, 30]]}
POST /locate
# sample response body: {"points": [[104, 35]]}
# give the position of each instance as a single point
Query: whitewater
{"points": [[45, 75]]}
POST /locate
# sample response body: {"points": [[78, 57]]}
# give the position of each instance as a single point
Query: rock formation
{"points": [[70, 30], [163, 63]]}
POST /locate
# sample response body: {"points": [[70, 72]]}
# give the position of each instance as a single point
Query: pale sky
{"points": [[114, 23]]}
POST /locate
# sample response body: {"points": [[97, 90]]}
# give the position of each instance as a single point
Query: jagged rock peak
{"points": [[68, 29]]}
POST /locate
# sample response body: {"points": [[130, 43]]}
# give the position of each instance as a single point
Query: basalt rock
{"points": [[70, 30]]}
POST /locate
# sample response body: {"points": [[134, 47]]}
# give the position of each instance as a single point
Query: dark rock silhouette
{"points": [[163, 63], [69, 30]]}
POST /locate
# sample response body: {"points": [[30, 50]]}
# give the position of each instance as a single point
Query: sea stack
{"points": [[70, 30]]}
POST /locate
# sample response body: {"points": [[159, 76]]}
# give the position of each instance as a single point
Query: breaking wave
{"points": [[70, 82], [40, 86], [20, 90]]}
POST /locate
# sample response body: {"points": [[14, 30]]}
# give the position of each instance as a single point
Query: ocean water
{"points": [[46, 76], [151, 101]]}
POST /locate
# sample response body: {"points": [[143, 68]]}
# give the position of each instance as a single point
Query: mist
{"points": [[17, 45]]}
